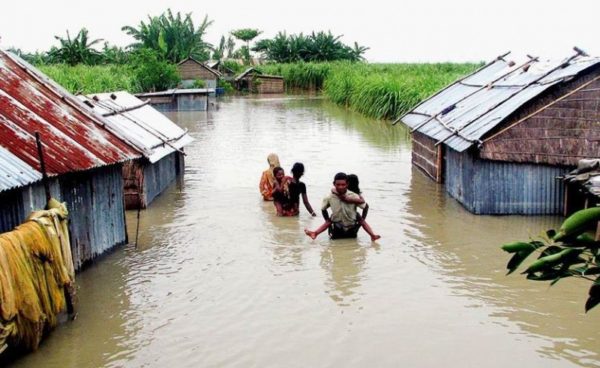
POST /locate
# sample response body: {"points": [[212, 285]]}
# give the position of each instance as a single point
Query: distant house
{"points": [[192, 70], [499, 138], [226, 73], [254, 81], [83, 160], [159, 139]]}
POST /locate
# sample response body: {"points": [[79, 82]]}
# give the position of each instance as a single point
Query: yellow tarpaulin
{"points": [[36, 276]]}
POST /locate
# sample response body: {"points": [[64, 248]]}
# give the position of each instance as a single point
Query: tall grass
{"points": [[382, 91], [92, 79]]}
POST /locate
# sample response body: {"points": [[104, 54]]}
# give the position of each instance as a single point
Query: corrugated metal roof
{"points": [[462, 113], [142, 125], [74, 138], [14, 172]]}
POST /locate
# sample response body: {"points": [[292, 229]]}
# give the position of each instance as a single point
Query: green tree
{"points": [[246, 35], [174, 37], [316, 47], [114, 55], [75, 51], [152, 72]]}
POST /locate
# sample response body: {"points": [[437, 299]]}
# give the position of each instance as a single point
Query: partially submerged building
{"points": [[83, 159], [192, 70], [160, 140], [252, 80], [190, 99], [499, 138]]}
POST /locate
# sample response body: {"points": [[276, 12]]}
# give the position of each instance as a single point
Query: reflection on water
{"points": [[218, 280], [343, 263]]}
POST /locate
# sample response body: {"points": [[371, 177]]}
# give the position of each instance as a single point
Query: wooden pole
{"points": [[40, 151]]}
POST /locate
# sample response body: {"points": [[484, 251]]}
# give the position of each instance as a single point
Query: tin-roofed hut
{"points": [[160, 140], [499, 138], [254, 81], [83, 160]]}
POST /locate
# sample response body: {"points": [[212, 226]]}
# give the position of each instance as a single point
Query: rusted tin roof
{"points": [[462, 113], [141, 124], [74, 138], [14, 172]]}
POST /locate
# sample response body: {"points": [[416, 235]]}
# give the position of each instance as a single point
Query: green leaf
{"points": [[517, 246], [517, 259], [594, 296]]}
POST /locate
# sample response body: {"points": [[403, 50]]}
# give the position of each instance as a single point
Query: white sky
{"points": [[395, 31]]}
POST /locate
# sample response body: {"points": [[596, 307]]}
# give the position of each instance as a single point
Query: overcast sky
{"points": [[395, 31]]}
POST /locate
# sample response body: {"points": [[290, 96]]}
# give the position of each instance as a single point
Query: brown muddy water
{"points": [[219, 281]]}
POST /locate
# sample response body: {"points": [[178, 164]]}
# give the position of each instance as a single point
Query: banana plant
{"points": [[572, 251]]}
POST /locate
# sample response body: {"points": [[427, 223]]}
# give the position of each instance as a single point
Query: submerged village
{"points": [[132, 231]]}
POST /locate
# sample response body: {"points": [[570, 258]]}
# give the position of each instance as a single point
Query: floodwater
{"points": [[217, 280]]}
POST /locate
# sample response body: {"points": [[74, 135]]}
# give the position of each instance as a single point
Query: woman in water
{"points": [[267, 179]]}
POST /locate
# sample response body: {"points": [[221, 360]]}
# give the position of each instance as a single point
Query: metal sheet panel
{"points": [[74, 139], [142, 125], [95, 204], [14, 172], [481, 101], [503, 188], [158, 176]]}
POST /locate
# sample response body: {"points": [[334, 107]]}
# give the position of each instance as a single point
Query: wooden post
{"points": [[566, 200], [598, 232], [440, 163], [43, 166]]}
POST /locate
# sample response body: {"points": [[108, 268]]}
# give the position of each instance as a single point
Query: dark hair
{"points": [[340, 176], [353, 183], [276, 170], [298, 169]]}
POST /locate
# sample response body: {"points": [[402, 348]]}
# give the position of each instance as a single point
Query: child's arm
{"points": [[344, 198], [307, 205]]}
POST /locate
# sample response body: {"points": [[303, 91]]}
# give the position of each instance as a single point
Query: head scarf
{"points": [[273, 161]]}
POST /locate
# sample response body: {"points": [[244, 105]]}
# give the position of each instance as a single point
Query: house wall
{"points": [[267, 85], [96, 212], [95, 203], [561, 134], [502, 188], [154, 178], [158, 176], [427, 157], [17, 204], [190, 69]]}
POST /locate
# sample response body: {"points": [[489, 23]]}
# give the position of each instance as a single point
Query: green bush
{"points": [[199, 83], [383, 91], [225, 85], [151, 73], [92, 79]]}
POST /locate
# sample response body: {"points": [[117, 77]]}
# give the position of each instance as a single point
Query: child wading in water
{"points": [[353, 186]]}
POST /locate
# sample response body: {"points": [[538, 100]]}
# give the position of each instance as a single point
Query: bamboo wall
{"points": [[427, 157], [560, 134], [190, 69], [262, 84], [143, 181]]}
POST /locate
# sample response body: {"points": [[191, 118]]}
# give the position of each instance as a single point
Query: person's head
{"points": [[353, 183], [340, 182], [298, 170], [273, 160], [278, 173]]}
